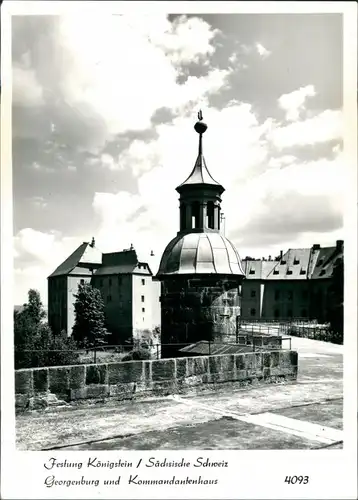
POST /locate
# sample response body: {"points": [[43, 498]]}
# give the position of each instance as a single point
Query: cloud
{"points": [[323, 127], [293, 103], [90, 89], [262, 51]]}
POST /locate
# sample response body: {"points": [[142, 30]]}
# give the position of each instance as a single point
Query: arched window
{"points": [[210, 215], [253, 312], [195, 215]]}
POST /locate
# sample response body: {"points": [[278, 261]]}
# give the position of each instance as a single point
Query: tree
{"points": [[89, 315], [35, 344]]}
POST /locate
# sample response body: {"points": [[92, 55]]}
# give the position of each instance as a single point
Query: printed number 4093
{"points": [[296, 479]]}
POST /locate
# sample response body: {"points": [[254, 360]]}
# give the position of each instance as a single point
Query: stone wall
{"points": [[200, 308], [163, 376]]}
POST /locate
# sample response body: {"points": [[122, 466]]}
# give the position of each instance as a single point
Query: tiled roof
{"points": [[84, 254], [295, 264], [326, 259]]}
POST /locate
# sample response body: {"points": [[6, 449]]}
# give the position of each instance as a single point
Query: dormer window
{"points": [[303, 271], [283, 262], [276, 271], [252, 271], [320, 262], [289, 271], [295, 261], [323, 271]]}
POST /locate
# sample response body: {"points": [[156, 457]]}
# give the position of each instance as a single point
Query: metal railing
{"points": [[125, 352]]}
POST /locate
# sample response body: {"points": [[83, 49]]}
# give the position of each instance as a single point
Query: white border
{"points": [[252, 474]]}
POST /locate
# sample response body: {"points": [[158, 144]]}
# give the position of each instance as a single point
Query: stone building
{"points": [[130, 295], [294, 285], [200, 270]]}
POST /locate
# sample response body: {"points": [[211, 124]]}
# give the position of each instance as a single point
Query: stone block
{"points": [[24, 382], [242, 375], [163, 369], [96, 374], [294, 358], [90, 392], [201, 364], [126, 390], [147, 371], [215, 364], [275, 359], [21, 401], [41, 379], [266, 359], [228, 362], [240, 361], [181, 367], [164, 387], [250, 361], [285, 358], [267, 372], [77, 376], [122, 373], [194, 380], [59, 379]]}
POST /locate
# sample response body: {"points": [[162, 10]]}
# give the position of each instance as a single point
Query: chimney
{"points": [[316, 246], [151, 253], [281, 254], [269, 257], [132, 247], [339, 245], [92, 243]]}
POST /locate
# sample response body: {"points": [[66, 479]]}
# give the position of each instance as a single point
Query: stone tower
{"points": [[200, 270]]}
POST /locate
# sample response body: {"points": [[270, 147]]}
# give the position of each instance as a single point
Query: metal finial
{"points": [[200, 115]]}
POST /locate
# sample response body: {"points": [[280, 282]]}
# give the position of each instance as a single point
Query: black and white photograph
{"points": [[180, 185]]}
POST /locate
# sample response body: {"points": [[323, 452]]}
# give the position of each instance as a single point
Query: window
{"points": [[304, 313], [253, 312], [110, 281], [305, 294], [303, 271], [277, 294], [142, 298], [320, 262], [82, 282], [283, 262], [289, 271], [143, 282], [290, 295], [253, 293], [276, 313], [109, 298], [100, 282], [143, 309], [322, 272], [295, 261], [276, 271], [210, 214], [289, 313], [252, 271], [119, 280]]}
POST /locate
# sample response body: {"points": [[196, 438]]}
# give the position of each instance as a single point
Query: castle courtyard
{"points": [[306, 414]]}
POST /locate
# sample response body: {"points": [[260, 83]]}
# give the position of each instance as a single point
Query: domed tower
{"points": [[200, 269]]}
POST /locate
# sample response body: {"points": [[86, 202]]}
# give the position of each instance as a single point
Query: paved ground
{"points": [[301, 415]]}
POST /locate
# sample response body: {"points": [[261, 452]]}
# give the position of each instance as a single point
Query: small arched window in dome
{"points": [[210, 214]]}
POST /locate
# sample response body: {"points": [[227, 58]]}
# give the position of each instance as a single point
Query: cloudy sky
{"points": [[103, 115]]}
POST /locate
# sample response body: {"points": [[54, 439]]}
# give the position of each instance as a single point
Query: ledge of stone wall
{"points": [[163, 376]]}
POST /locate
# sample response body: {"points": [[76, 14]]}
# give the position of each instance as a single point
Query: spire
{"points": [[200, 173]]}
